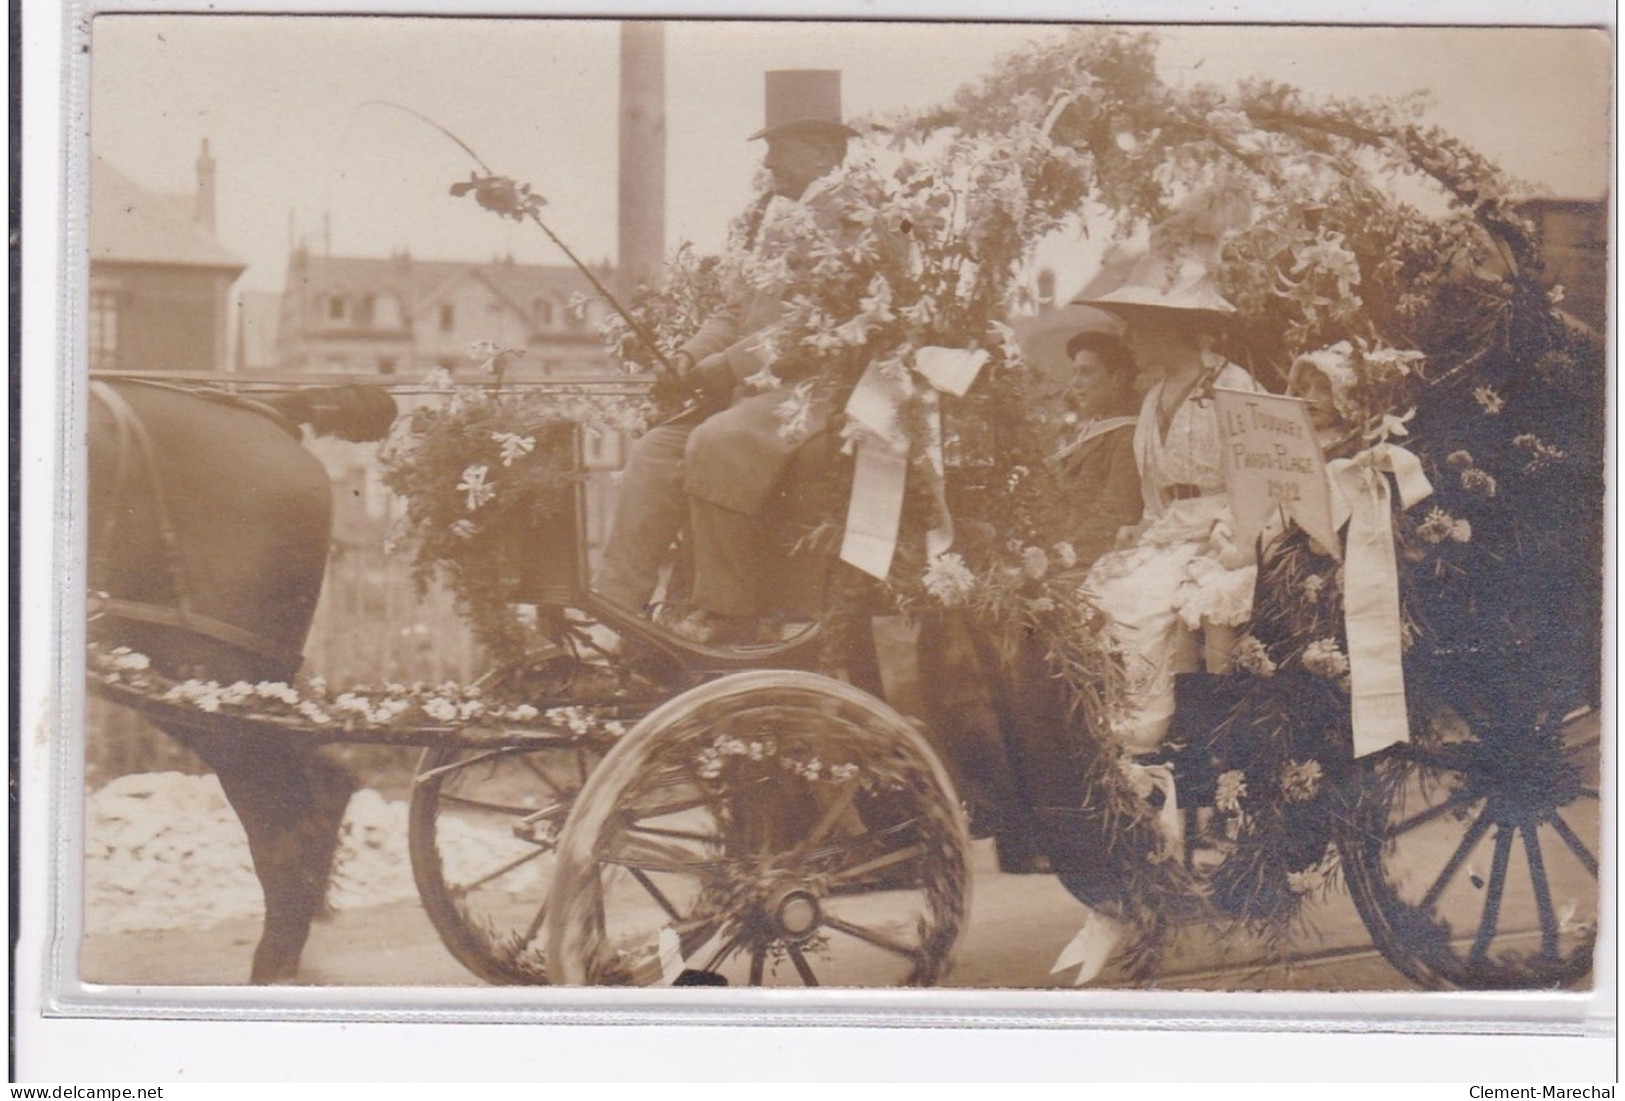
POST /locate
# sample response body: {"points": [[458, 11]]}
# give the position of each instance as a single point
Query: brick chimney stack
{"points": [[203, 209], [642, 207]]}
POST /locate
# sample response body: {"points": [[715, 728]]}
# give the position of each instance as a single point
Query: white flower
{"points": [[876, 305], [474, 484], [1301, 883], [1229, 790], [1324, 658], [482, 350], [440, 710], [948, 579], [1391, 425], [919, 314], [439, 379], [1252, 656], [1312, 585], [524, 713], [1482, 482], [1439, 526], [1300, 780], [795, 413], [1034, 562], [126, 659], [764, 379], [464, 529], [854, 333], [1067, 555], [1488, 400], [514, 446], [1008, 344]]}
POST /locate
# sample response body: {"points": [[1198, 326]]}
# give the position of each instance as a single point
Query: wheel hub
{"points": [[795, 913]]}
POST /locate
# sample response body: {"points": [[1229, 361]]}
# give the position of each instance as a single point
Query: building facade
{"points": [[405, 317], [160, 281]]}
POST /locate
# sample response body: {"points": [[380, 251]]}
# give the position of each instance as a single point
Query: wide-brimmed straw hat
{"points": [[804, 101], [1044, 338], [1156, 278], [1176, 270]]}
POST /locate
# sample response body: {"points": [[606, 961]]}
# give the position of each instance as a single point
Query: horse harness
{"points": [[136, 457]]}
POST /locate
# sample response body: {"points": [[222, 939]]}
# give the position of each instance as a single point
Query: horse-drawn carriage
{"points": [[671, 812]]}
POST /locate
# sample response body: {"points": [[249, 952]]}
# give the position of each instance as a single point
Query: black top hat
{"points": [[805, 101]]}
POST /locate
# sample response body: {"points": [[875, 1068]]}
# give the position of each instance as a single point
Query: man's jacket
{"points": [[737, 457]]}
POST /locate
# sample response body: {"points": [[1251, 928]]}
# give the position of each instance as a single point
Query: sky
{"points": [[285, 102]]}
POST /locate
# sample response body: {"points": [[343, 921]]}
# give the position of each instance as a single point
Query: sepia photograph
{"points": [[1003, 506]]}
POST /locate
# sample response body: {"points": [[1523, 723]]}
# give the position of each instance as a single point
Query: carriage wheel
{"points": [[1476, 865], [766, 828], [484, 828]]}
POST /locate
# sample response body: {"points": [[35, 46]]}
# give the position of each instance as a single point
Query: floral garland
{"points": [[487, 475], [357, 710], [1444, 337], [1478, 373]]}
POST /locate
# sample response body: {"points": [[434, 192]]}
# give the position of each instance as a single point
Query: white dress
{"points": [[1184, 569]]}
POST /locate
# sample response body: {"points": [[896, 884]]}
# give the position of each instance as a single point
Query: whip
{"points": [[519, 201]]}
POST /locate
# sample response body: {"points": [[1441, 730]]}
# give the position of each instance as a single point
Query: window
{"points": [[542, 310], [103, 330], [364, 315], [335, 307], [448, 317], [386, 365]]}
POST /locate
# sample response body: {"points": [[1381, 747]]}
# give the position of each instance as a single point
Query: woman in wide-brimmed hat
{"points": [[1177, 584]]}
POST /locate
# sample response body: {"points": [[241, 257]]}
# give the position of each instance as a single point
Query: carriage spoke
{"points": [[723, 952], [1480, 826], [847, 875], [826, 823], [1543, 892], [758, 959], [457, 766], [870, 936], [803, 968], [676, 835], [1572, 840], [490, 808], [465, 888], [1491, 917], [634, 814], [535, 925], [1422, 818], [552, 784], [655, 893], [652, 856]]}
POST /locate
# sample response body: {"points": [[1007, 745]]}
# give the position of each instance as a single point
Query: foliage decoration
{"points": [[487, 474]]}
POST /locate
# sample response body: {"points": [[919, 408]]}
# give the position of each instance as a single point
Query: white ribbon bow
{"points": [[1371, 588], [875, 512]]}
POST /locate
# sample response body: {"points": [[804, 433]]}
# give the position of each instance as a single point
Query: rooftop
{"points": [[131, 224]]}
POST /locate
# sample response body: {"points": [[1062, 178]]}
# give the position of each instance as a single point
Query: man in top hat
{"points": [[718, 468]]}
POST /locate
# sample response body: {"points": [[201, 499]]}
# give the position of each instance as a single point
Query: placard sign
{"points": [[1273, 461]]}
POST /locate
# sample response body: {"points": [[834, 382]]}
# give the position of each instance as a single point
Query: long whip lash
{"points": [[529, 209]]}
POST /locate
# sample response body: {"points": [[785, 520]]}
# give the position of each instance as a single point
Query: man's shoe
{"points": [[711, 629]]}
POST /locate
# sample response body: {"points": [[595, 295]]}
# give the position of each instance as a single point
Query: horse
{"points": [[209, 526]]}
